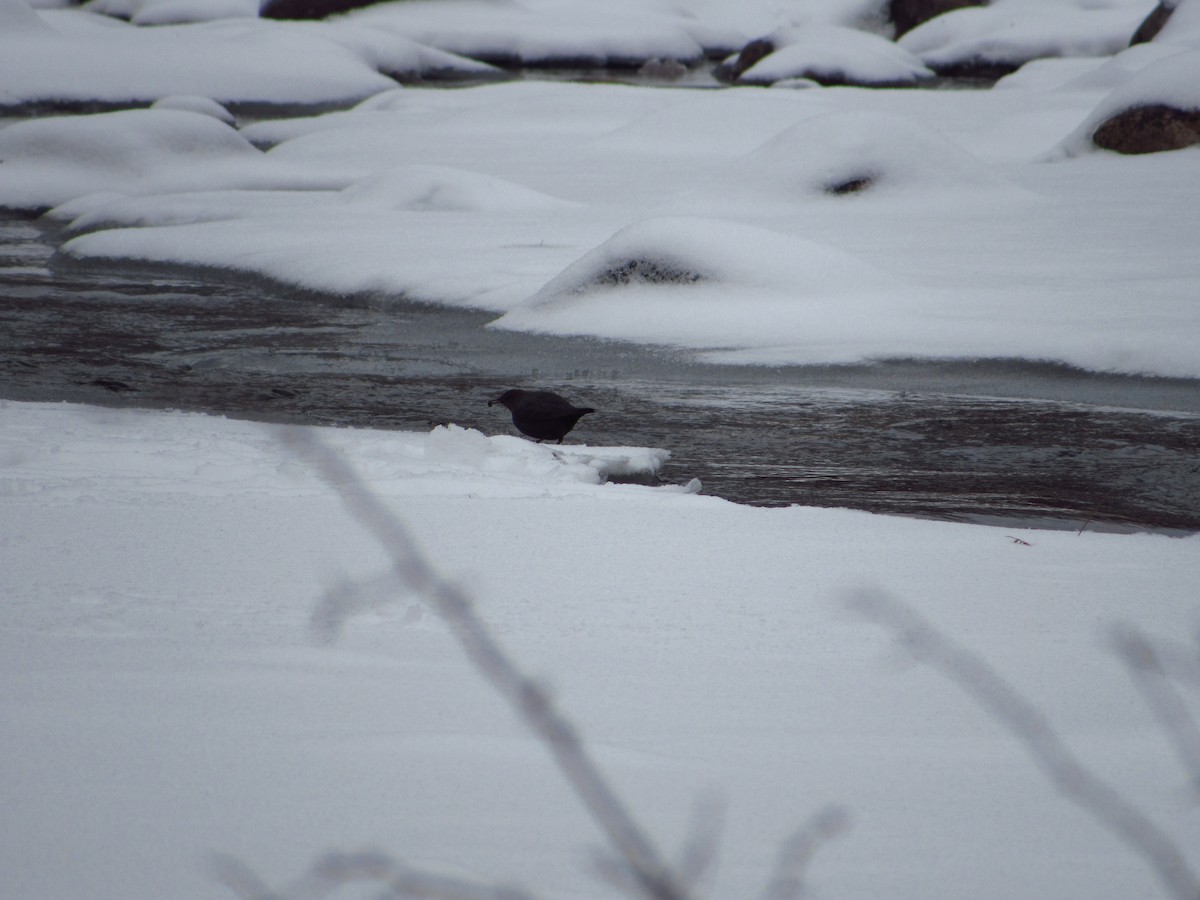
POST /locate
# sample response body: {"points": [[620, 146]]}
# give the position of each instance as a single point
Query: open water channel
{"points": [[1004, 442]]}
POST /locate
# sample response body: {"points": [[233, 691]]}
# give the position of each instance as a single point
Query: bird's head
{"points": [[506, 398]]}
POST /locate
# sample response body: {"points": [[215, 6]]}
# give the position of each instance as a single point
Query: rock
{"points": [[731, 70], [908, 14], [663, 69], [1154, 22], [309, 9], [834, 55], [1149, 129]]}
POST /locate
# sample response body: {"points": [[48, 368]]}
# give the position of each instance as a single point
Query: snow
{"points": [[160, 691], [533, 33], [834, 54], [174, 12], [51, 161], [981, 247], [1015, 31], [260, 62], [1173, 81], [163, 698]]}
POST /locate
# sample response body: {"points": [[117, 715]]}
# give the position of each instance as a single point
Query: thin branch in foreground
{"points": [[1164, 700], [654, 879], [334, 871], [787, 881], [1064, 769]]}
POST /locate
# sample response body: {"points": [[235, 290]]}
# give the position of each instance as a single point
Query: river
{"points": [[1003, 442]]}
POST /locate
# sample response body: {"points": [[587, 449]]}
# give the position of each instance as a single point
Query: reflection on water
{"points": [[1013, 443]]}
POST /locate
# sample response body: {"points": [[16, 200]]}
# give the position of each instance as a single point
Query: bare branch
{"points": [[347, 599], [1168, 706], [1069, 776], [239, 878], [334, 871], [654, 877], [700, 848], [787, 881]]}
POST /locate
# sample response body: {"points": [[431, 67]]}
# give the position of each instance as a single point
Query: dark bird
{"points": [[541, 414]]}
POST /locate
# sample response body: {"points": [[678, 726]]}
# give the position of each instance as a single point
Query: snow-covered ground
{"points": [[985, 226], [161, 697]]}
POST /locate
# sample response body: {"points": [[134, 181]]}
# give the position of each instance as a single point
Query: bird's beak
{"points": [[490, 402]]}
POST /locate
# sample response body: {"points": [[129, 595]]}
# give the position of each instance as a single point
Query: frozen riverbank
{"points": [[1018, 443]]}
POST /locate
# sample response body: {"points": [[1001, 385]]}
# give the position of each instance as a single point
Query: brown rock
{"points": [[751, 53], [1149, 129], [908, 14], [309, 9], [1154, 22]]}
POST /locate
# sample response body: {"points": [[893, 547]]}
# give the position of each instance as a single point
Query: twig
{"points": [[1165, 702], [653, 877], [334, 871], [787, 881], [1069, 776]]}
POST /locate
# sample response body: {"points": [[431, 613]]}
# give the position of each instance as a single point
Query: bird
{"points": [[541, 414]]}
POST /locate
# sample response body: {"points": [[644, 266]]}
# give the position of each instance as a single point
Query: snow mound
{"points": [[1009, 34], [1183, 26], [674, 251], [50, 161], [1173, 81], [704, 283], [458, 449], [73, 61], [860, 153], [428, 187], [515, 34], [388, 51], [192, 103], [833, 55], [174, 12], [103, 452]]}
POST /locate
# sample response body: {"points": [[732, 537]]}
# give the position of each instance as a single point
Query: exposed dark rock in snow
{"points": [[663, 69], [1149, 129], [1154, 22], [853, 185], [309, 9], [908, 14], [648, 271], [829, 55], [731, 70]]}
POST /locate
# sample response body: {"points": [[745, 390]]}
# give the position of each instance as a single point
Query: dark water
{"points": [[992, 442]]}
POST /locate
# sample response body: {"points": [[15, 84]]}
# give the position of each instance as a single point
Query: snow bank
{"points": [[163, 698], [1011, 33], [1172, 81], [174, 12], [702, 283], [260, 62], [514, 33], [483, 197], [863, 153], [49, 161], [836, 55], [464, 450], [446, 188]]}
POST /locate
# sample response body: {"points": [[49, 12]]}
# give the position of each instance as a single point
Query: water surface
{"points": [[1006, 442]]}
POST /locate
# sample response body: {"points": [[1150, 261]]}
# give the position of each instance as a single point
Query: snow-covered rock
{"points": [[855, 153], [1002, 36], [174, 12], [832, 55], [1157, 108], [514, 34], [52, 160]]}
